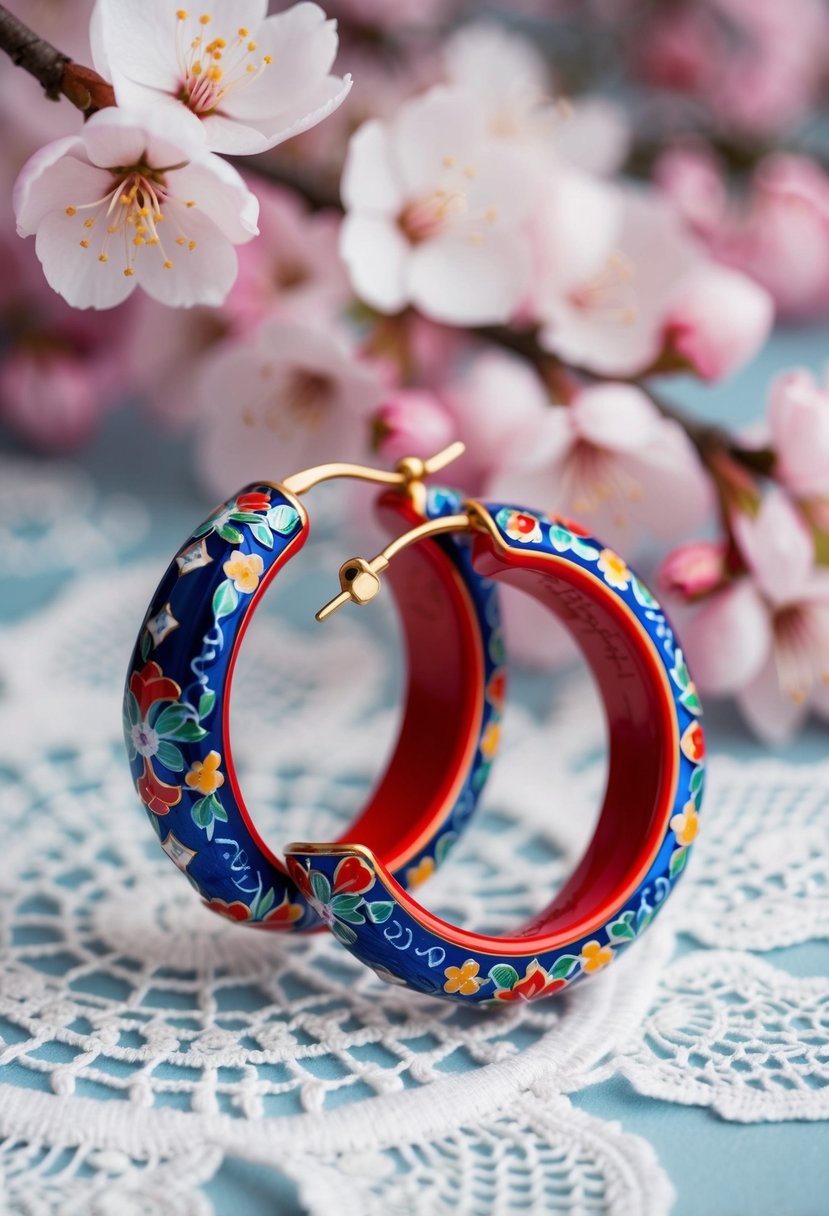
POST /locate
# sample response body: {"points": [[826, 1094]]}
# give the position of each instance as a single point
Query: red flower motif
{"points": [[496, 688], [536, 983], [253, 501], [156, 794], [284, 916], [692, 742], [150, 685], [570, 525]]}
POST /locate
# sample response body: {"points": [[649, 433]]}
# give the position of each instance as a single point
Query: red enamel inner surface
{"points": [[642, 761], [441, 721]]}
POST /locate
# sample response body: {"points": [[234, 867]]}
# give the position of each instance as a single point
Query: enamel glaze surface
{"points": [[404, 943], [176, 707]]}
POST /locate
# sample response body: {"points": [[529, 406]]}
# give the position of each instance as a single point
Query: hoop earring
{"points": [[177, 696], [650, 812]]}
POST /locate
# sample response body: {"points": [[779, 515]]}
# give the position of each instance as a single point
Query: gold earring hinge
{"points": [[406, 473], [360, 577]]}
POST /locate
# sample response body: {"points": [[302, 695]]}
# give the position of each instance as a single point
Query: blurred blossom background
{"points": [[590, 239]]}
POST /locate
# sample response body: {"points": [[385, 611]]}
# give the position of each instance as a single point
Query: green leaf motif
{"points": [[262, 906], [588, 552], [503, 976], [443, 846], [345, 934], [170, 756], [219, 811], [564, 966], [146, 644], [245, 517], [202, 813], [206, 702], [262, 533], [283, 519], [642, 595], [379, 911], [225, 599], [320, 886], [680, 672], [132, 714], [678, 860], [696, 785], [690, 699], [560, 538], [232, 535], [622, 930], [343, 903], [172, 717]]}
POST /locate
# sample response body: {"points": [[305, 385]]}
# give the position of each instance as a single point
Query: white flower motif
{"points": [[244, 81], [144, 739], [434, 212], [126, 203]]}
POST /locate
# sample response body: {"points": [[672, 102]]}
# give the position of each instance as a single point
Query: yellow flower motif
{"points": [[614, 569], [595, 956], [204, 775], [244, 570], [686, 824], [463, 979], [424, 869], [490, 740]]}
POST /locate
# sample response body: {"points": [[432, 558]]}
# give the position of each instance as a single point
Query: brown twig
{"points": [[57, 73]]}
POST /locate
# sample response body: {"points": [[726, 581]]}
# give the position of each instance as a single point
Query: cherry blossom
{"points": [[515, 88], [765, 637], [777, 231], [244, 81], [611, 461], [434, 209], [293, 268], [654, 295], [123, 204], [799, 421], [280, 400]]}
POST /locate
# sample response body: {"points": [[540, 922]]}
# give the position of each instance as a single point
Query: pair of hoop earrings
{"points": [[176, 723]]}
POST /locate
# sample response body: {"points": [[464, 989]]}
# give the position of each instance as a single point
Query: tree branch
{"points": [[57, 73]]}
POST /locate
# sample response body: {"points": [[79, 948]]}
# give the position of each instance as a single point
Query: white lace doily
{"points": [[144, 1040]]}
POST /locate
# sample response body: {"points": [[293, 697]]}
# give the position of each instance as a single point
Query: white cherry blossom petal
{"points": [[202, 275], [375, 253], [444, 128], [617, 416], [244, 137], [729, 639], [233, 208], [777, 546], [137, 42], [49, 182], [369, 179], [771, 714], [75, 273], [456, 280]]}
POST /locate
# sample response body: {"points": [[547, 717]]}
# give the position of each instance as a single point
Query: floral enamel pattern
{"points": [[410, 946], [175, 725]]}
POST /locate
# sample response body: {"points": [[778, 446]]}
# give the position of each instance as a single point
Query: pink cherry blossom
{"points": [[512, 80], [412, 422], [693, 570], [612, 461], [286, 398], [244, 81], [434, 209], [799, 421], [125, 203], [655, 294], [293, 267], [777, 232], [765, 637]]}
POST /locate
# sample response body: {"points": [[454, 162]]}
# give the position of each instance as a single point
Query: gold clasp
{"points": [[360, 577], [407, 473]]}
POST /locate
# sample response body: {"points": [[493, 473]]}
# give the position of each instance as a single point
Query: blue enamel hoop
{"points": [[648, 820], [178, 687]]}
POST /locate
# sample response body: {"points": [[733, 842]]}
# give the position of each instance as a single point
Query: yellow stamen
{"points": [[449, 162], [128, 272], [267, 59], [243, 33], [182, 14], [138, 240], [191, 245], [71, 211], [204, 19], [190, 203], [88, 223], [214, 73], [84, 244], [196, 68], [102, 257], [251, 46], [180, 240], [168, 265]]}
